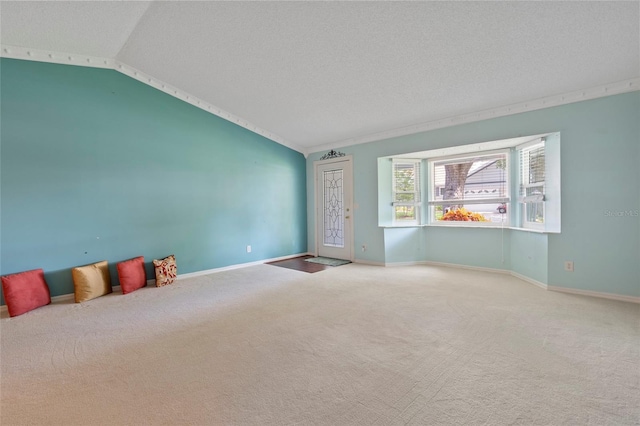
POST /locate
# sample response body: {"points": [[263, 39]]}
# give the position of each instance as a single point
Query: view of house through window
{"points": [[470, 188]]}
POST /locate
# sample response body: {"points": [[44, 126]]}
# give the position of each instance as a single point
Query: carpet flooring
{"points": [[354, 345]]}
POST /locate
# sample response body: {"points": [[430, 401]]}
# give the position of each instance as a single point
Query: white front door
{"points": [[334, 205]]}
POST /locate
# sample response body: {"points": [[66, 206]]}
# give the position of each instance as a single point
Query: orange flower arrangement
{"points": [[463, 215]]}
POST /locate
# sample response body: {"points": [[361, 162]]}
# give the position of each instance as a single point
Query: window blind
{"points": [[532, 167]]}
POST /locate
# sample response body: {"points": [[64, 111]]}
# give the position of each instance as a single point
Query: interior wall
{"points": [[600, 183], [96, 165], [477, 247], [530, 255]]}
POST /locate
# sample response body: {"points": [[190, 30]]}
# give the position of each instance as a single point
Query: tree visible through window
{"points": [[470, 189]]}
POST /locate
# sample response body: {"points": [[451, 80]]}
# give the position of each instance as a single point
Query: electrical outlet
{"points": [[568, 265], [248, 249], [364, 247]]}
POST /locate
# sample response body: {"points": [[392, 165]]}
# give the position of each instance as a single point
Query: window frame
{"points": [[431, 190], [417, 191], [524, 184]]}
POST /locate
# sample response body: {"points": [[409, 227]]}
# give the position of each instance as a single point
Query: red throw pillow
{"points": [[131, 274], [25, 291]]}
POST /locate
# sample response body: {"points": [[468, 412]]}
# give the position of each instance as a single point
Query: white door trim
{"points": [[316, 164]]}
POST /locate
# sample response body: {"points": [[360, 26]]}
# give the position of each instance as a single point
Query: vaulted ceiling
{"points": [[327, 74]]}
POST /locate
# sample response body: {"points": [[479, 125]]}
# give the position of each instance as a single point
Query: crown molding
{"points": [[625, 86], [14, 52], [28, 54]]}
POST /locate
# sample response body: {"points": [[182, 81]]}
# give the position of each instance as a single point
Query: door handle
{"points": [[347, 217]]}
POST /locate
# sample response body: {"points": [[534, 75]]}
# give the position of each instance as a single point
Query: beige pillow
{"points": [[166, 270], [91, 281]]}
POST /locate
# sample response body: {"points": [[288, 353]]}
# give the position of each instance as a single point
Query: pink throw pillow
{"points": [[25, 291], [131, 274]]}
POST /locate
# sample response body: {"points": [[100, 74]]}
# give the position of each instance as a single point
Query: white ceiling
{"points": [[320, 74]]}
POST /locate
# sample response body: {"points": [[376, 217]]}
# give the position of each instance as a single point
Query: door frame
{"points": [[316, 207]]}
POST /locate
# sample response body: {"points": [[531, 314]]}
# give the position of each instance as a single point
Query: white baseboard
{"points": [[152, 282], [414, 263], [468, 267], [529, 280], [602, 295], [368, 262]]}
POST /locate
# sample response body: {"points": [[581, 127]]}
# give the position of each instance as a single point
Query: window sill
{"points": [[401, 226], [471, 225], [463, 224]]}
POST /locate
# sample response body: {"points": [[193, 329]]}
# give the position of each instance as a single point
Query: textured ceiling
{"points": [[323, 73], [85, 28]]}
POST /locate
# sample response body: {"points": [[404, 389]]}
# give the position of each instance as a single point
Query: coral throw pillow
{"points": [[131, 274], [25, 291], [166, 270], [91, 281]]}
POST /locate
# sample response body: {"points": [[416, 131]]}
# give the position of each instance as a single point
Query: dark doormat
{"points": [[302, 263], [327, 261]]}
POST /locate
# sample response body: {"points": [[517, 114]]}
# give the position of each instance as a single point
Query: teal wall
{"points": [[479, 247], [600, 153], [530, 255], [404, 244], [95, 165]]}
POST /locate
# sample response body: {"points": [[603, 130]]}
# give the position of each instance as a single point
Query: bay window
{"points": [[511, 183]]}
